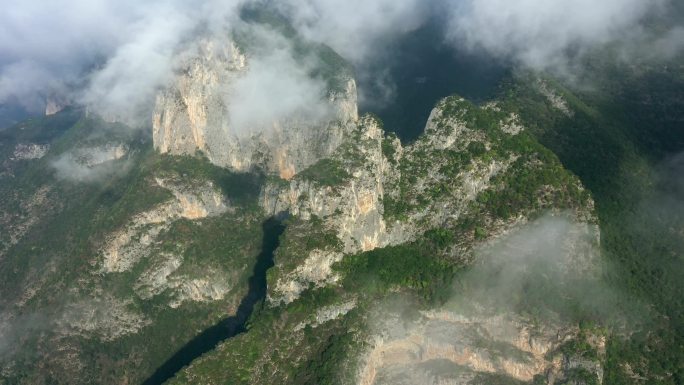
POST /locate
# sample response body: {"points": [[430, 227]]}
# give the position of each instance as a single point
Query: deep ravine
{"points": [[231, 326]]}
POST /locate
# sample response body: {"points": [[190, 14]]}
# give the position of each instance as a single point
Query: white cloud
{"points": [[276, 87], [93, 164], [540, 33], [125, 87], [114, 55], [110, 54], [355, 28]]}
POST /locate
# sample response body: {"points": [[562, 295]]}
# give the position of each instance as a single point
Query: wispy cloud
{"points": [[115, 55], [545, 34], [276, 87]]}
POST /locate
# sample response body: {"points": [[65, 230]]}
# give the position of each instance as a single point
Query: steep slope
{"points": [[166, 248], [377, 220], [317, 248], [195, 113], [118, 255], [118, 270], [623, 138]]}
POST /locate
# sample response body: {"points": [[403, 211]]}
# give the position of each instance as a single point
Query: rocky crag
{"points": [[193, 116], [371, 193]]}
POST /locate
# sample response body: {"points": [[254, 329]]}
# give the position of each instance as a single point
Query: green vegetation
{"points": [[240, 188], [388, 149], [273, 351], [60, 252], [326, 172], [579, 376], [614, 141], [610, 142], [536, 179], [440, 238], [412, 266], [323, 366], [300, 238], [579, 348], [40, 130]]}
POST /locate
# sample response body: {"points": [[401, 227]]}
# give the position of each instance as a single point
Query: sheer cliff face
{"points": [[193, 115], [372, 192], [442, 347], [482, 331]]}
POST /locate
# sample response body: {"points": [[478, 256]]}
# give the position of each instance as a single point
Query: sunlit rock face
{"points": [[129, 245], [55, 104], [354, 208], [482, 333], [193, 115], [30, 151], [443, 347]]}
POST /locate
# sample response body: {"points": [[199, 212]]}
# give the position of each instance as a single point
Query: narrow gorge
{"points": [[229, 327]]}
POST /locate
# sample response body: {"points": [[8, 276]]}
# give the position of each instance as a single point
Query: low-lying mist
{"points": [[547, 273], [535, 293]]}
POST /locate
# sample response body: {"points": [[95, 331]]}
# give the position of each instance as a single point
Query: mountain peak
{"points": [[198, 112]]}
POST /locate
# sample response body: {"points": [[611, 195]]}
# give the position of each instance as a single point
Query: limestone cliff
{"points": [[453, 185], [483, 330], [372, 192], [193, 115], [473, 347], [126, 247], [55, 104]]}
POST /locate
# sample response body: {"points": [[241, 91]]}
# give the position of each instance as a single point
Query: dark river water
{"points": [[231, 326]]}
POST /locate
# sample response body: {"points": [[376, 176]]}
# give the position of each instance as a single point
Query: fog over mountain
{"points": [[110, 53], [543, 34], [114, 55], [342, 192]]}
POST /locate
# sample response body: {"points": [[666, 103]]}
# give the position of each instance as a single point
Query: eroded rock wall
{"points": [[193, 115]]}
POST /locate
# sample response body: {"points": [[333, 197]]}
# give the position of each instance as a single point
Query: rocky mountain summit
{"points": [[193, 115], [446, 193]]}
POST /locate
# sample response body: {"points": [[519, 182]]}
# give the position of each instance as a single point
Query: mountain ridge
{"points": [[475, 254]]}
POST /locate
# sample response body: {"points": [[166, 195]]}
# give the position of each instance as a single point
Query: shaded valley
{"points": [[231, 326]]}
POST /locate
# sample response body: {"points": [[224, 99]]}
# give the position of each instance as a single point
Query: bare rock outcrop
{"points": [[350, 191], [126, 247], [28, 151], [472, 345], [483, 331], [193, 115]]}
